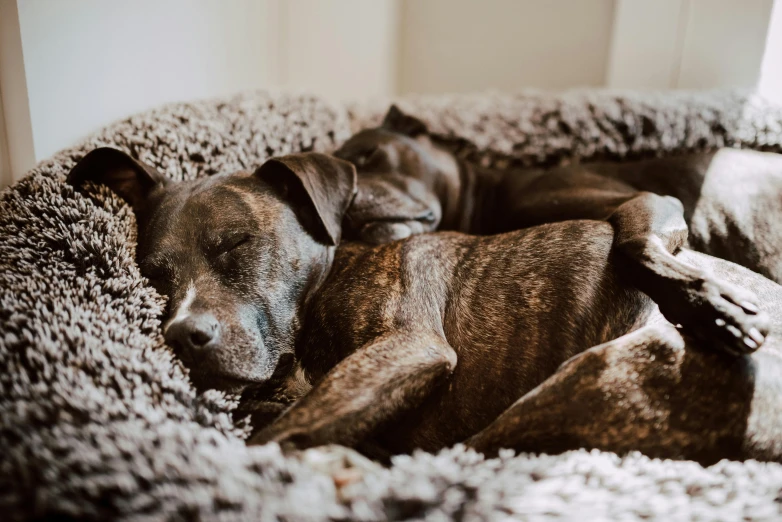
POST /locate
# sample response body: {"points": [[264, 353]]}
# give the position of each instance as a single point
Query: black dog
{"points": [[731, 200], [427, 341]]}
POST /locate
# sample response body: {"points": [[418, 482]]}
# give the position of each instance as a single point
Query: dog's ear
{"points": [[398, 121], [329, 185], [128, 178]]}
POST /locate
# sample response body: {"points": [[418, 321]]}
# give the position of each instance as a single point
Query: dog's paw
{"points": [[343, 464], [382, 232], [719, 314]]}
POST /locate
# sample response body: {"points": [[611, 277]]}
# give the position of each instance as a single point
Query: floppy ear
{"points": [[398, 121], [128, 178], [328, 183]]}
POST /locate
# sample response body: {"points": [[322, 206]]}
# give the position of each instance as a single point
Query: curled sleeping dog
{"points": [[436, 339], [731, 200]]}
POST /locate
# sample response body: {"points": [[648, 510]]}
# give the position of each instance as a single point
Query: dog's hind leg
{"points": [[649, 228], [654, 391]]}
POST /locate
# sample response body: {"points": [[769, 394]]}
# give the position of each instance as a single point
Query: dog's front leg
{"points": [[372, 385], [649, 228]]}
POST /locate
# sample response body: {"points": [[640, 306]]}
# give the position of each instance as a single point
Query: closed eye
{"points": [[153, 266], [362, 158], [158, 275], [233, 243]]}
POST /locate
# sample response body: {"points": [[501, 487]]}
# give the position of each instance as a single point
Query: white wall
{"points": [[724, 43], [647, 44], [89, 62], [770, 84], [342, 49], [17, 135], [69, 67], [688, 44], [464, 45], [5, 158], [73, 66]]}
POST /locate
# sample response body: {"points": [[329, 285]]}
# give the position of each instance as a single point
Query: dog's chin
{"points": [[204, 381], [239, 382]]}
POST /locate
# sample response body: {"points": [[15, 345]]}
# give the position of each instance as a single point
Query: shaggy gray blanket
{"points": [[99, 420]]}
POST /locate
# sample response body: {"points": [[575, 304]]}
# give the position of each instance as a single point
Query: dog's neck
{"points": [[466, 193], [476, 202], [447, 184], [297, 382]]}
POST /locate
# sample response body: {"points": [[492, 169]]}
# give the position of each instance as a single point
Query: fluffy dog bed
{"points": [[99, 419]]}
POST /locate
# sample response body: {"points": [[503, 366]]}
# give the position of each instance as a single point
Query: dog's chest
{"points": [[372, 293]]}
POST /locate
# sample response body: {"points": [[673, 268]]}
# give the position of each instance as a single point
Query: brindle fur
{"points": [[494, 315], [658, 392], [424, 342], [730, 199]]}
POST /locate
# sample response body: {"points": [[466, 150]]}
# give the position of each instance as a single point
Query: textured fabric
{"points": [[540, 129], [98, 418]]}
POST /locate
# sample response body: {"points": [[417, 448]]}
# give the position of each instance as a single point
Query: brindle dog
{"points": [[435, 339], [731, 200]]}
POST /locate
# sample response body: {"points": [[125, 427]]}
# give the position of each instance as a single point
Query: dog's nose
{"points": [[194, 332]]}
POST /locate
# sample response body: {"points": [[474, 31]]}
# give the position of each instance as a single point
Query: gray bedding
{"points": [[99, 420]]}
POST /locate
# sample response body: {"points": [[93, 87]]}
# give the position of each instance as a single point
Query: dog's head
{"points": [[237, 255], [407, 184]]}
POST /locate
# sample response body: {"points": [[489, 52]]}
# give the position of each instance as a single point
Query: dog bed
{"points": [[99, 420]]}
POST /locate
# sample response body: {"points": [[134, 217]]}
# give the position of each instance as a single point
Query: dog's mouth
{"points": [[211, 381], [205, 379], [236, 358]]}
